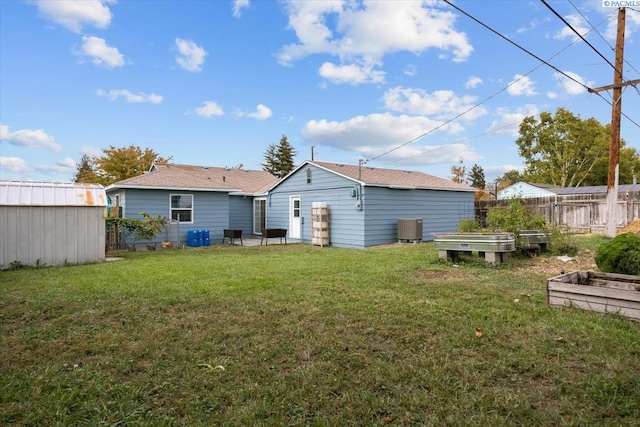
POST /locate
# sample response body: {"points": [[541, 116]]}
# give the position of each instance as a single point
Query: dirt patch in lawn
{"points": [[554, 265]]}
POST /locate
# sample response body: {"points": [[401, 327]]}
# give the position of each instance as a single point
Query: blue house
{"points": [[365, 203], [196, 198]]}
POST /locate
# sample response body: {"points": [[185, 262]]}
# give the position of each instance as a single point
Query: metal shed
{"points": [[47, 223]]}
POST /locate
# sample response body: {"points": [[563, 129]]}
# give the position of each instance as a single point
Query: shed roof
{"points": [[391, 178], [563, 191], [32, 193]]}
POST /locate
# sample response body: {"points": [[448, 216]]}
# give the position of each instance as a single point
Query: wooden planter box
{"points": [[601, 292]]}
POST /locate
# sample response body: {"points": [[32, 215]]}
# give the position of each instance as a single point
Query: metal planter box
{"points": [[494, 246], [594, 291], [535, 238]]}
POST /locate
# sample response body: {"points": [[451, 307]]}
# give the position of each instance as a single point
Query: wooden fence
{"points": [[582, 213]]}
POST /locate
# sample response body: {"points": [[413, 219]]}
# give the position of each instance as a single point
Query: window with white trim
{"points": [[182, 208]]}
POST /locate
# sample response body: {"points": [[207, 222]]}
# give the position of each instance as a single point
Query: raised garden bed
{"points": [[494, 247], [535, 239], [595, 291]]}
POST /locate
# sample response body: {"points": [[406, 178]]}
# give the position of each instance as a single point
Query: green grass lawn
{"points": [[302, 335]]}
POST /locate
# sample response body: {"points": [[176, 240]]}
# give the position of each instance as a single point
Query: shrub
{"points": [[468, 225], [562, 242], [140, 229], [514, 218], [620, 255]]}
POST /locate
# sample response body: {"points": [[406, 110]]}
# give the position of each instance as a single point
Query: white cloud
{"points": [[210, 108], [357, 36], [29, 138], [508, 121], [90, 151], [415, 154], [352, 74], [632, 24], [13, 164], [500, 170], [74, 15], [238, 6], [532, 26], [521, 85], [132, 98], [190, 56], [410, 70], [377, 133], [66, 165], [262, 113], [493, 172], [473, 82], [100, 52], [572, 87], [443, 104], [577, 22]]}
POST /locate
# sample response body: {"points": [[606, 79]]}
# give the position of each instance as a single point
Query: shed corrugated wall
{"points": [[43, 223]]}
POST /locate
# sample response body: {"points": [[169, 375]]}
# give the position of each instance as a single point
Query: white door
{"points": [[295, 218]]}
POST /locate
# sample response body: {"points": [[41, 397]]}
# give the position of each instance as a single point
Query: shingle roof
{"points": [[596, 189], [393, 178], [201, 178]]}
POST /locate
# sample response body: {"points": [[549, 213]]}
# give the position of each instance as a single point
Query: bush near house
{"points": [[139, 229]]}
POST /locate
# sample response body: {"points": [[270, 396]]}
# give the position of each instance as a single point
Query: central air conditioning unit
{"points": [[410, 229]]}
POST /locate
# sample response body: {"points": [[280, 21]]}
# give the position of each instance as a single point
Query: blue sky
{"points": [[215, 82]]}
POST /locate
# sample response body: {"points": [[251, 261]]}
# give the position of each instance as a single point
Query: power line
{"points": [[591, 25], [602, 37], [516, 44], [535, 56], [579, 35], [499, 91]]}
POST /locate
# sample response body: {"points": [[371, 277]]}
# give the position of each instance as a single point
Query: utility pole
{"points": [[614, 144]]}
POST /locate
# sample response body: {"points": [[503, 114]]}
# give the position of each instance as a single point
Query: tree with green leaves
{"points": [[116, 164], [85, 171], [476, 178], [279, 158], [458, 171], [508, 178], [567, 151], [628, 167]]}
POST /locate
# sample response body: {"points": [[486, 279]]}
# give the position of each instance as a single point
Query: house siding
{"points": [[346, 227], [210, 212], [241, 214], [440, 211], [381, 207], [523, 190]]}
